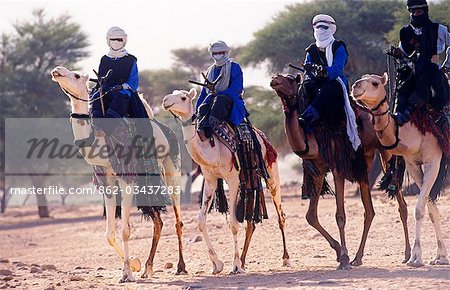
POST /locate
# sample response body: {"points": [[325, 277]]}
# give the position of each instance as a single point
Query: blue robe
{"points": [[234, 91], [340, 58]]}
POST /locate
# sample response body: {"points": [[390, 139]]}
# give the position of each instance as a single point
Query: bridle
{"points": [[373, 113], [187, 123], [286, 107], [70, 95]]}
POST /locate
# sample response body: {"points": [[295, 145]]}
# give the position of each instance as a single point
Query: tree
{"points": [[362, 24], [26, 57], [194, 59], [266, 114], [439, 12]]}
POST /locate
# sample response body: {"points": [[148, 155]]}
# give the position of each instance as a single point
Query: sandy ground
{"points": [[73, 244]]}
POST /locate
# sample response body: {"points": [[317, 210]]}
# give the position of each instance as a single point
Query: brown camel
{"points": [[306, 147], [424, 158]]}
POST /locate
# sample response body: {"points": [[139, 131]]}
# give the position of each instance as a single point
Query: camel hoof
{"points": [[127, 279], [415, 264], [181, 272], [286, 263], [146, 274], [237, 270], [440, 261], [344, 267], [135, 264], [356, 262], [217, 267]]}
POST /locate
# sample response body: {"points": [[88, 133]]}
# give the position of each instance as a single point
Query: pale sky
{"points": [[154, 28]]}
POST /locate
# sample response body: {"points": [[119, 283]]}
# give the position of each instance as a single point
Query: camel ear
{"points": [[192, 93], [384, 79]]}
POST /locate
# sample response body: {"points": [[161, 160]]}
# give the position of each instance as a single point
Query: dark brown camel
{"points": [[286, 87]]}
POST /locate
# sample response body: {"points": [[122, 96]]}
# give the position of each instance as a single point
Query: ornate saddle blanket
{"points": [[134, 161], [247, 158]]}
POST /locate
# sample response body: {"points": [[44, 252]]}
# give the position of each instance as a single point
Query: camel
{"points": [[74, 85], [422, 155], [306, 147], [216, 162]]}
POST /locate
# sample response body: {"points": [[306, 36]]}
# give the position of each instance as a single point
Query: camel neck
{"points": [[294, 132], [384, 125], [80, 107]]}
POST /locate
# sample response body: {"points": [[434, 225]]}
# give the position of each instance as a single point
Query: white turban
{"points": [[324, 28], [219, 46], [116, 48]]}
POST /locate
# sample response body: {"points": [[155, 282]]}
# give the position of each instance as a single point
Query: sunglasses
{"points": [[117, 39], [321, 26]]}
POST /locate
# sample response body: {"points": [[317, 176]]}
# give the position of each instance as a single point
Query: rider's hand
{"points": [[321, 71], [308, 66], [117, 88], [395, 52]]}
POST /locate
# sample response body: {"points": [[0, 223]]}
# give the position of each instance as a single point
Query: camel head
{"points": [[370, 89], [285, 85], [180, 103], [70, 82]]}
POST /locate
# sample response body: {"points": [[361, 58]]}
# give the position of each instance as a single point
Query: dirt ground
{"points": [[69, 251]]}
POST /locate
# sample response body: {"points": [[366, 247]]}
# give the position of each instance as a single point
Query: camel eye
{"points": [[375, 84], [183, 99], [77, 76]]}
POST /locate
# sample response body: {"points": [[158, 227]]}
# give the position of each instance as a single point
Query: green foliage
{"points": [[26, 59], [361, 24], [155, 84], [266, 113], [439, 12], [194, 59]]}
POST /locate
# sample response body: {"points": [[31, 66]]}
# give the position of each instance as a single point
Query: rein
{"points": [[372, 112], [190, 122], [83, 100]]}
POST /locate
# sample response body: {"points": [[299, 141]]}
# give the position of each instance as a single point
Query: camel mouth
{"points": [[358, 95], [55, 74], [275, 83], [166, 108]]}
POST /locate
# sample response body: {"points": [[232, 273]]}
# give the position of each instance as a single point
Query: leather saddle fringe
{"points": [[392, 180]]}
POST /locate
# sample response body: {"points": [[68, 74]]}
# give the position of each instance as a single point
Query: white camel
{"points": [[74, 85], [216, 162], [422, 154]]}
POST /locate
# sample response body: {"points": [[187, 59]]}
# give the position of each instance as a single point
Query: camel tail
{"points": [[440, 179], [220, 199]]}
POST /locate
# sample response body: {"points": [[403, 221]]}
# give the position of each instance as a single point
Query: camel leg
{"points": [[369, 214], [340, 220], [181, 268], [435, 216], [313, 220], [157, 228], [275, 193], [172, 178], [425, 182], [403, 210], [110, 205], [208, 194], [249, 230], [233, 186], [127, 199]]}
